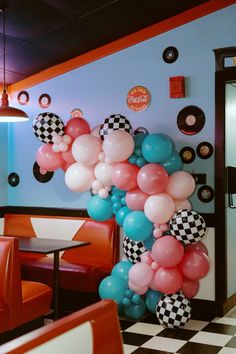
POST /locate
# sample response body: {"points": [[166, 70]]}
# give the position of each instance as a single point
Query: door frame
{"points": [[222, 76]]}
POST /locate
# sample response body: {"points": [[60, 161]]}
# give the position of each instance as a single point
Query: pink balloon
{"points": [[159, 208], [79, 178], [141, 274], [135, 199], [118, 146], [167, 251], [124, 176], [137, 289], [48, 159], [76, 127], [194, 265], [168, 280], [190, 288], [198, 246], [67, 156], [181, 185], [152, 178], [182, 204]]}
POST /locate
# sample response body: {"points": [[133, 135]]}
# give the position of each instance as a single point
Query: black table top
{"points": [[47, 245]]}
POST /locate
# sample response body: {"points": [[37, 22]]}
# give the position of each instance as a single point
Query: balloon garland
{"points": [[139, 181]]}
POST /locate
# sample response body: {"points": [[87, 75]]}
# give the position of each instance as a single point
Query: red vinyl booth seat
{"points": [[102, 332], [81, 269], [20, 301]]}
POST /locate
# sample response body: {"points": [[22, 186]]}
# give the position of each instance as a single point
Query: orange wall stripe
{"points": [[125, 42]]}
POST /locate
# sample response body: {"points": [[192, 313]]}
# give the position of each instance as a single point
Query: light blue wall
{"points": [[100, 89], [3, 164]]}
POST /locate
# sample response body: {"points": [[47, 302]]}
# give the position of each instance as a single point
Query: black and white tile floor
{"points": [[196, 337]]}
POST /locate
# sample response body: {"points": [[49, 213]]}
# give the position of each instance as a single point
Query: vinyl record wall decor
{"points": [[23, 97], [191, 120], [44, 100]]}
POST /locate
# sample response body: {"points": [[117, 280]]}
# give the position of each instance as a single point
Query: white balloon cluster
{"points": [[60, 143]]}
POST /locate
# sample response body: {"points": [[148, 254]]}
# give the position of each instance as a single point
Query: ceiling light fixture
{"points": [[7, 113]]}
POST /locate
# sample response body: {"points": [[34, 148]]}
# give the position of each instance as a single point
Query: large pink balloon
{"points": [[167, 251], [152, 178], [181, 185], [67, 156], [47, 159], [79, 178], [190, 288], [135, 199], [118, 145], [194, 265], [141, 274], [168, 280], [76, 127], [198, 246], [141, 290], [86, 148], [124, 175], [159, 208]]}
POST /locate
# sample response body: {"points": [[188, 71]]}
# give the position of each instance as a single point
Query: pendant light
{"points": [[7, 113]]}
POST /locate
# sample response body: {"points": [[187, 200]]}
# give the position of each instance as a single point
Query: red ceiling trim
{"points": [[125, 42]]}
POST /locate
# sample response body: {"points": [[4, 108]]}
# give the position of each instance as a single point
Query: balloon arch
{"points": [[138, 180]]}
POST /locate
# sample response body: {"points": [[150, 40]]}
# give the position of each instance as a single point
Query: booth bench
{"points": [[81, 269]]}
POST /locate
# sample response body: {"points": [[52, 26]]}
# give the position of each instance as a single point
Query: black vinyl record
{"points": [[13, 179], [187, 154], [41, 177], [205, 194], [204, 150], [191, 120], [170, 55]]}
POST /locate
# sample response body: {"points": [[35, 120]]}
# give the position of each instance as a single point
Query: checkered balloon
{"points": [[133, 250], [114, 122], [187, 226], [173, 311], [45, 124]]}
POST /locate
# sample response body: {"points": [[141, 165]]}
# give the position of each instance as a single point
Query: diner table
{"points": [[48, 246]]}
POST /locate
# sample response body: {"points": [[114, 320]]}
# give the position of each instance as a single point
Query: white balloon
{"points": [[79, 178], [103, 193], [103, 172], [181, 185], [118, 145], [86, 149]]}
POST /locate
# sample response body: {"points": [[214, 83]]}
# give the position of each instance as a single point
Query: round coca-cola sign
{"points": [[138, 98]]}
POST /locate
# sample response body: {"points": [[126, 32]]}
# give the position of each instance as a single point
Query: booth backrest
{"points": [[10, 279], [93, 330], [104, 236]]}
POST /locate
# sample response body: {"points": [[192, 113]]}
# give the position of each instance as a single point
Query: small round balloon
{"points": [[173, 311], [45, 124], [133, 249], [187, 226], [114, 122]]}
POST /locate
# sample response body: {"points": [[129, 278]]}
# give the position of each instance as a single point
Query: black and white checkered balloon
{"points": [[45, 124], [133, 249], [173, 311], [187, 226], [114, 122]]}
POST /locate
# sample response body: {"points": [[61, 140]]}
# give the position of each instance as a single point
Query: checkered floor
{"points": [[196, 337]]}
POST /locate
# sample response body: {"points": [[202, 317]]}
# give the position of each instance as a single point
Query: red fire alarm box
{"points": [[177, 87]]}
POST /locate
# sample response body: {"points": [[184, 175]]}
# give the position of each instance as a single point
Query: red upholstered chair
{"points": [[92, 330], [22, 303]]}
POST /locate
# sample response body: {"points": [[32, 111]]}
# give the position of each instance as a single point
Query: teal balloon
{"points": [[121, 214], [117, 205], [112, 287], [151, 299], [138, 151], [136, 299], [157, 148], [139, 138], [115, 198], [132, 159], [100, 209], [148, 243], [123, 201], [141, 162], [121, 270], [137, 227], [173, 163], [135, 312]]}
